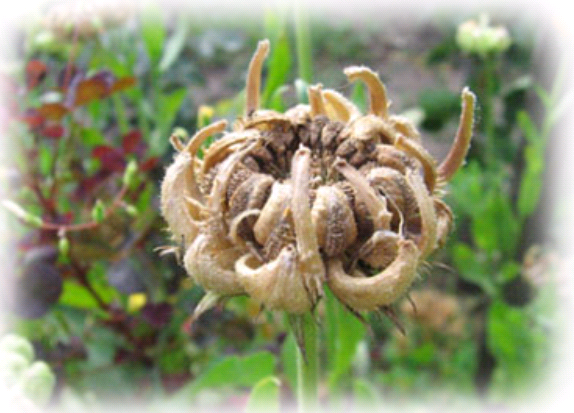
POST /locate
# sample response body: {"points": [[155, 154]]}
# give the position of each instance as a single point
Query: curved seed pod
{"points": [[444, 219], [459, 148], [254, 77], [405, 127], [394, 186], [376, 205], [333, 220], [389, 156], [277, 284], [251, 193], [179, 185], [272, 212], [426, 160], [222, 148], [428, 238], [363, 293], [339, 107], [282, 234], [309, 263], [299, 114], [211, 263], [316, 100], [369, 128], [377, 92], [381, 249], [216, 204]]}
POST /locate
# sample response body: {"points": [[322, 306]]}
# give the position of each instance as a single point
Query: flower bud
{"points": [[481, 38]]}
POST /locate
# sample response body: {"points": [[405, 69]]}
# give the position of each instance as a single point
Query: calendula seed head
{"points": [[286, 202]]}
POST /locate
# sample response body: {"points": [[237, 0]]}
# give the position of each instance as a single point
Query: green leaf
{"points": [[344, 333], [265, 396], [495, 228], [153, 34], [365, 393], [529, 192], [528, 127], [174, 46], [303, 44], [473, 267], [45, 159], [279, 62], [75, 295], [168, 105], [515, 339], [289, 360], [98, 211], [234, 371], [508, 272]]}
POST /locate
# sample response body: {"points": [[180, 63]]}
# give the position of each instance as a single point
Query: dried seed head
{"points": [[321, 193]]}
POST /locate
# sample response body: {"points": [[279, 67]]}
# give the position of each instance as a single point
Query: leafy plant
{"points": [[91, 114]]}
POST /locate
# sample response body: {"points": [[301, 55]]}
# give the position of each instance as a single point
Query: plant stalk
{"points": [[307, 365]]}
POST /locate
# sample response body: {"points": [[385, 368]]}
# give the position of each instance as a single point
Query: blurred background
{"points": [[93, 313]]}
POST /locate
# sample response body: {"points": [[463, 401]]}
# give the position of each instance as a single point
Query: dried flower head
{"points": [[286, 202]]}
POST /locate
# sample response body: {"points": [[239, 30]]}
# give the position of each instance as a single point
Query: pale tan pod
{"points": [[210, 261], [174, 207], [376, 205], [362, 293], [309, 263], [428, 238], [222, 148], [179, 185], [378, 104], [427, 161], [444, 220], [381, 249], [271, 213], [299, 114], [278, 285], [370, 128], [333, 220], [339, 107]]}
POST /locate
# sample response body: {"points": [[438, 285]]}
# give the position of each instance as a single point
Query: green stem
{"points": [[303, 44], [308, 366], [488, 76]]}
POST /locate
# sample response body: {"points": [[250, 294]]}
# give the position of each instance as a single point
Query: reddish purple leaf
{"points": [[123, 83], [157, 314], [90, 89], [149, 164], [132, 142], [35, 73], [53, 111], [54, 131], [67, 75], [33, 118], [111, 159]]}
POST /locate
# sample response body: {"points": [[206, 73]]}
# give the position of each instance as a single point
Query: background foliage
{"points": [[93, 98]]}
